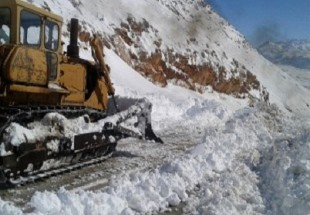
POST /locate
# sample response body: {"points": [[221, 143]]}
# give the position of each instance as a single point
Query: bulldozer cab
{"points": [[33, 68], [24, 24], [34, 34], [30, 51]]}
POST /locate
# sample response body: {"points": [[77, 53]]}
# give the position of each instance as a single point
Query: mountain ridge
{"points": [[291, 52]]}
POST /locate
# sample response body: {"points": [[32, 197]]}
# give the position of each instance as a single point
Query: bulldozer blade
{"points": [[150, 135], [134, 108]]}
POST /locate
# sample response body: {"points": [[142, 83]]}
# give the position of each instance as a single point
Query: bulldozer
{"points": [[37, 77]]}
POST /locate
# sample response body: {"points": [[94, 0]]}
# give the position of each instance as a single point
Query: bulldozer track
{"points": [[26, 114], [42, 175], [32, 161]]}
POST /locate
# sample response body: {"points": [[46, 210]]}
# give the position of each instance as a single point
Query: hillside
{"points": [[301, 75], [183, 43]]}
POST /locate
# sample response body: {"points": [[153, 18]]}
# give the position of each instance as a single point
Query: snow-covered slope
{"points": [[184, 43], [301, 75]]}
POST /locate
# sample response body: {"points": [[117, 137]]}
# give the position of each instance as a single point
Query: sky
{"points": [[262, 20]]}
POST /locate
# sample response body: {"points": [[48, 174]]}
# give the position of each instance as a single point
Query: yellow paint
{"points": [[27, 65], [26, 75], [99, 97], [72, 78]]}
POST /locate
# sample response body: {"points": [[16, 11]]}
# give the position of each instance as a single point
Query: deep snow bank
{"points": [[251, 161], [170, 183], [285, 171]]}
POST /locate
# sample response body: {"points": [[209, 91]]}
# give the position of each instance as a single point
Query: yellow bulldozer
{"points": [[37, 77]]}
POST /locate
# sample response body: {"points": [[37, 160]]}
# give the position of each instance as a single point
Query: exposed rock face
{"points": [[190, 61], [165, 65]]}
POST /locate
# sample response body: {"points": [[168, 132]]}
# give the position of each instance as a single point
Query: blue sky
{"points": [[261, 20]]}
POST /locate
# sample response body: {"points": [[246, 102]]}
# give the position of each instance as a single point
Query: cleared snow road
{"points": [[132, 155]]}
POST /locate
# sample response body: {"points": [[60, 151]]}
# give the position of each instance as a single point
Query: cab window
{"points": [[51, 35], [30, 28], [5, 23]]}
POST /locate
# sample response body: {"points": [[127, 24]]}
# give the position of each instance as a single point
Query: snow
{"points": [[168, 103], [217, 176], [251, 160], [285, 172], [300, 75], [53, 124], [223, 174]]}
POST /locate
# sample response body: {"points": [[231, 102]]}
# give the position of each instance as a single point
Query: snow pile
{"points": [[285, 171], [218, 176], [7, 208], [80, 203], [233, 152], [16, 134], [53, 124]]}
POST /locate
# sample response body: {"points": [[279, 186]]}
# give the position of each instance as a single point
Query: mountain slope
{"points": [[183, 43], [301, 75], [292, 52]]}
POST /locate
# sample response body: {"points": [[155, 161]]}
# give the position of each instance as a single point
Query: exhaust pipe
{"points": [[73, 49]]}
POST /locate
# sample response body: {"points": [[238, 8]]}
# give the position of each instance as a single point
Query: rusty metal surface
{"points": [[27, 65]]}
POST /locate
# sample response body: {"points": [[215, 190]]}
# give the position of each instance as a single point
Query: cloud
{"points": [[267, 32]]}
